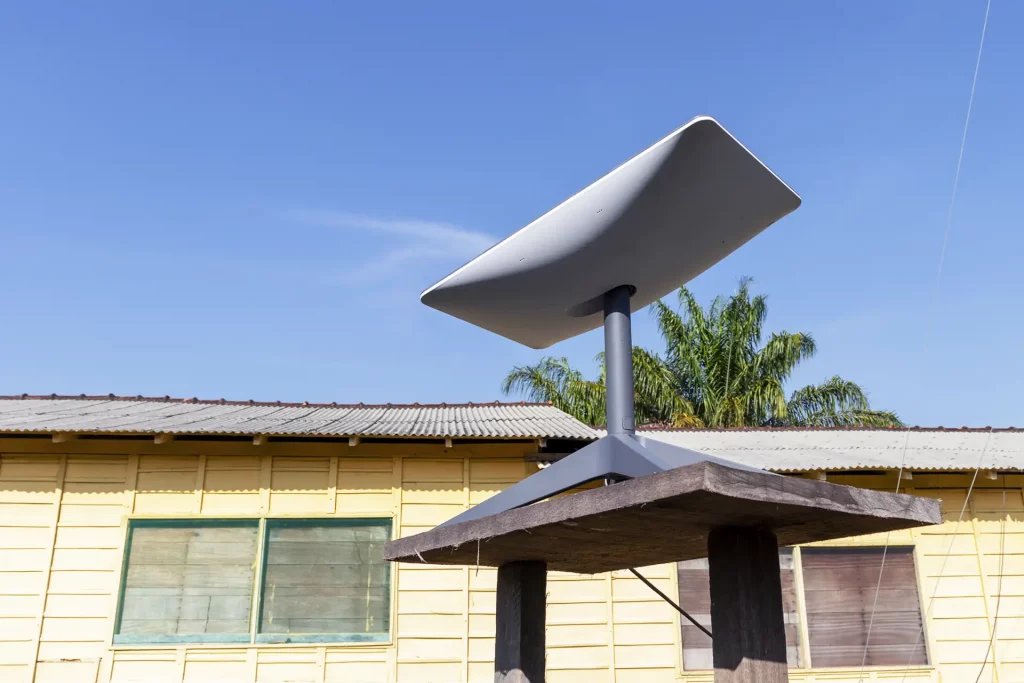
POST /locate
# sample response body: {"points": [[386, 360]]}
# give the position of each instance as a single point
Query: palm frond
{"points": [[657, 395], [554, 380], [835, 403], [782, 353], [875, 418], [716, 371]]}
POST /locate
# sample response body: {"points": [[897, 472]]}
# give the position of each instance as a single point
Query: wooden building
{"points": [[168, 540]]}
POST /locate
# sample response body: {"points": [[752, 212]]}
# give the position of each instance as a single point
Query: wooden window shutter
{"points": [[839, 587]]}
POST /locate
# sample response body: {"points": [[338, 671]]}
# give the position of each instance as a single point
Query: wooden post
{"points": [[748, 633], [519, 645]]}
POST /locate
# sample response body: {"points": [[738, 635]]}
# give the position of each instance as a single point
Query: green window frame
{"points": [[152, 591], [264, 617], [179, 584]]}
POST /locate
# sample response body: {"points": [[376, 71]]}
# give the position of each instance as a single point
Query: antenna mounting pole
{"points": [[618, 361]]}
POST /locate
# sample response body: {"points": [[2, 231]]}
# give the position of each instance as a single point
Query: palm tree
{"points": [[716, 372]]}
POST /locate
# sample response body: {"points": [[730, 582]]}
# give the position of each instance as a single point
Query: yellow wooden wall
{"points": [[63, 512], [969, 571]]}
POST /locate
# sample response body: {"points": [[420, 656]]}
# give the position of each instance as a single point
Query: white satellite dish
{"points": [[653, 224]]}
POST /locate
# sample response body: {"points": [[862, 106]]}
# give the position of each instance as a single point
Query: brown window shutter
{"points": [[839, 589]]}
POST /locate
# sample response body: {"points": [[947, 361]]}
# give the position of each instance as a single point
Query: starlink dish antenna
{"points": [[645, 229]]}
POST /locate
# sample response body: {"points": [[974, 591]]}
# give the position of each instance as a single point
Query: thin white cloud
{"points": [[459, 240], [407, 243], [388, 265]]}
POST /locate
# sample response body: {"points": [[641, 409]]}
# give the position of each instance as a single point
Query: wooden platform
{"points": [[664, 517]]}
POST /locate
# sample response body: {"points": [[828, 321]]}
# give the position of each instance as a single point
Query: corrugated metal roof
{"points": [[800, 450], [117, 415], [778, 449]]}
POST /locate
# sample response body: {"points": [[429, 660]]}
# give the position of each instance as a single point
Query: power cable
{"points": [[671, 602]]}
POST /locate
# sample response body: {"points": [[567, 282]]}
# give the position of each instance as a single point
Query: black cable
{"points": [[669, 601]]}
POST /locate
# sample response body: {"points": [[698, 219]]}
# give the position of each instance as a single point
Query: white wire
{"points": [[999, 589], [956, 178], [945, 559], [927, 338]]}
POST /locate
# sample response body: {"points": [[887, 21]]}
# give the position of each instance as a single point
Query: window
{"points": [[189, 581], [323, 578], [839, 593], [839, 585], [695, 598]]}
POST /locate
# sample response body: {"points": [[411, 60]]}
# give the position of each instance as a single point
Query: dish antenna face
{"points": [[654, 223], [645, 229]]}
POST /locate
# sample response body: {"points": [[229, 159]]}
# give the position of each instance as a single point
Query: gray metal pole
{"points": [[618, 361]]}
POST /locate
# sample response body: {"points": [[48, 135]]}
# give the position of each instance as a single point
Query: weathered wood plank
{"points": [[695, 594], [519, 647], [662, 518], [749, 644]]}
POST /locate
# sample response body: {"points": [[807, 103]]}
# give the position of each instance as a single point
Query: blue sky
{"points": [[244, 200]]}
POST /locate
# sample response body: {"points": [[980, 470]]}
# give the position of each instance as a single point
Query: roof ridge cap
{"points": [[251, 402]]}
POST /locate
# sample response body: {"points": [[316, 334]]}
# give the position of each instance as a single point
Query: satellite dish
{"points": [[653, 224], [648, 227]]}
